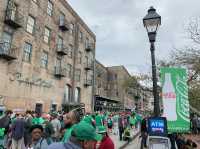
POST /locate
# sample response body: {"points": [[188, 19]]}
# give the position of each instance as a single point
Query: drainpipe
{"points": [[75, 48], [93, 79]]}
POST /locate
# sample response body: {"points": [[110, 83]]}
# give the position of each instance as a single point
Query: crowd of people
{"points": [[33, 130]]}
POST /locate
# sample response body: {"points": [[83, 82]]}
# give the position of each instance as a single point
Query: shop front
{"points": [[106, 104]]}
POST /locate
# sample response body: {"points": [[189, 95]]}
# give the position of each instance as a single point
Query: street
{"points": [[135, 144]]}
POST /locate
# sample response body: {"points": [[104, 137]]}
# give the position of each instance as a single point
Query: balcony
{"points": [[8, 51], [88, 82], [63, 25], [13, 18], [61, 50], [88, 66], [89, 47], [59, 72]]}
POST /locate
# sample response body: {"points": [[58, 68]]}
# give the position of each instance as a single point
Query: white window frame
{"points": [[47, 34], [27, 52], [30, 27], [44, 59], [50, 8]]}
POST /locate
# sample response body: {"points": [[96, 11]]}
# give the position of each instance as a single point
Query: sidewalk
{"points": [[119, 144]]}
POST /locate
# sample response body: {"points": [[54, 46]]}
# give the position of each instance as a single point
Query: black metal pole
{"points": [[154, 78]]}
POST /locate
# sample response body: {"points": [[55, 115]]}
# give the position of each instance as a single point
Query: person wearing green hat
{"points": [[83, 136], [106, 142], [70, 121]]}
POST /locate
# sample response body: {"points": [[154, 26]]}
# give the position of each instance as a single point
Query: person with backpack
{"points": [[17, 132], [38, 142]]}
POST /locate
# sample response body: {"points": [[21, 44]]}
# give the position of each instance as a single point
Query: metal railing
{"points": [[88, 82], [61, 49], [89, 66], [14, 18], [7, 50], [63, 24], [89, 47], [59, 71]]}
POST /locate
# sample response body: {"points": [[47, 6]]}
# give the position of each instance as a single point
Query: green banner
{"points": [[175, 99]]}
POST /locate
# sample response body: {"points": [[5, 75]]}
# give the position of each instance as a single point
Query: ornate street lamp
{"points": [[151, 22]]}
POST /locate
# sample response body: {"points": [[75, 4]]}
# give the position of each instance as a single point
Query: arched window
{"points": [[67, 93], [77, 94]]}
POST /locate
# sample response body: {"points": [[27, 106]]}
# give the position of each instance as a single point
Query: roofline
{"points": [[121, 66], [78, 18], [100, 63]]}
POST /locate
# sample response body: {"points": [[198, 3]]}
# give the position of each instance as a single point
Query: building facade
{"points": [[47, 56], [110, 92], [117, 90], [103, 100]]}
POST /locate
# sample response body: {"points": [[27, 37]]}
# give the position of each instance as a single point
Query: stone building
{"points": [[118, 75], [103, 99], [47, 55], [110, 93]]}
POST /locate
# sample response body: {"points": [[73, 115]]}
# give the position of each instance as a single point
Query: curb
{"points": [[127, 143]]}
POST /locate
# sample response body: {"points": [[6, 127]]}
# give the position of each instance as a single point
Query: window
{"points": [[67, 93], [6, 39], [44, 59], [71, 28], [30, 24], [80, 36], [69, 70], [58, 63], [86, 42], [86, 59], [12, 8], [70, 51], [79, 57], [77, 94], [78, 75], [47, 33], [49, 8], [62, 19], [27, 52], [60, 43]]}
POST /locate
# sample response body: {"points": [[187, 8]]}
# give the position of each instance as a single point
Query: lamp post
{"points": [[151, 22]]}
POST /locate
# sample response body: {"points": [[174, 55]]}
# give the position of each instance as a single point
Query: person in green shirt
{"points": [[38, 120], [70, 121], [99, 120]]}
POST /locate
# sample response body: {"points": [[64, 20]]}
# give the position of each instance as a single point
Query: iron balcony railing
{"points": [[89, 47], [63, 25], [88, 82], [60, 49], [89, 66], [8, 51], [59, 71], [13, 18]]}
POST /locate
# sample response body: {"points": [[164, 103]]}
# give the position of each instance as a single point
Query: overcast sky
{"points": [[121, 37]]}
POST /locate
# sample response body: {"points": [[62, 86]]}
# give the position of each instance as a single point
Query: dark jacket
{"points": [[71, 144], [18, 128]]}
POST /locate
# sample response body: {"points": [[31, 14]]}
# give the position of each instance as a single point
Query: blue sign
{"points": [[157, 126]]}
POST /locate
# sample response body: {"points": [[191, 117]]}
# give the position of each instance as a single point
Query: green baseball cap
{"points": [[101, 129], [85, 131]]}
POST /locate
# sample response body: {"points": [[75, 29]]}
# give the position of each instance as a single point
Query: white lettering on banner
{"points": [[182, 95]]}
